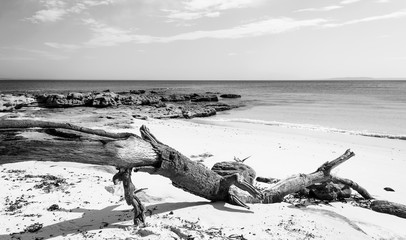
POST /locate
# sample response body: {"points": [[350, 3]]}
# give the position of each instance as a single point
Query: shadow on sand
{"points": [[92, 219]]}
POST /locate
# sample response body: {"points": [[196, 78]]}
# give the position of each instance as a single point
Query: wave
{"points": [[309, 127]]}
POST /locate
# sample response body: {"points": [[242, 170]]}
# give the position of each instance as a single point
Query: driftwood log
{"points": [[31, 140]]}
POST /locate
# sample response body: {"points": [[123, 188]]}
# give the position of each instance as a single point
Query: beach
{"points": [[274, 151], [202, 120]]}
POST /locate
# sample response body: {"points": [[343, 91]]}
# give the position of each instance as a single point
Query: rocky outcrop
{"points": [[130, 100], [220, 106], [150, 100], [204, 98], [105, 99], [156, 105], [230, 95], [75, 95], [198, 112], [9, 102], [61, 101], [175, 98]]}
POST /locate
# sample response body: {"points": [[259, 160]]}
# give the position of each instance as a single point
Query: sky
{"points": [[202, 39]]}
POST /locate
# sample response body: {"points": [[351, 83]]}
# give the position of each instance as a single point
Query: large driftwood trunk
{"points": [[126, 150], [65, 142], [389, 208]]}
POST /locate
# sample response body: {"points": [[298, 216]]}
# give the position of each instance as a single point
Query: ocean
{"points": [[373, 108]]}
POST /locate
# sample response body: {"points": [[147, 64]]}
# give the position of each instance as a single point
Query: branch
{"points": [[44, 124], [297, 182], [362, 191], [389, 208]]}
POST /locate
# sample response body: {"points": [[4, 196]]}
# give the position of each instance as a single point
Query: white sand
{"points": [[89, 210]]}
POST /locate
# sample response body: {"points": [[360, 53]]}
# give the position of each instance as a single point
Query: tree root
{"points": [[124, 175]]}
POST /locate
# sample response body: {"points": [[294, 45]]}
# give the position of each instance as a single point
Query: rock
{"points": [[230, 168], [230, 95], [199, 112], [41, 98], [204, 98], [53, 207], [130, 100], [160, 105], [388, 189], [137, 91], [61, 101], [220, 106], [9, 102], [33, 228], [75, 95], [150, 100], [107, 99], [175, 98], [329, 191]]}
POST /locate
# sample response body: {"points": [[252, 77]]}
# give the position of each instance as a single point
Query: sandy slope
{"points": [[90, 207]]}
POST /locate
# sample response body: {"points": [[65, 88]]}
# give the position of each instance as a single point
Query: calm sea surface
{"points": [[358, 107]]}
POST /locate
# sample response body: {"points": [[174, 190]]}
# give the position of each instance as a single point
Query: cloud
{"points": [[104, 35], [199, 5], [62, 46], [349, 1], [394, 15], [195, 9], [48, 15], [175, 14], [255, 29], [328, 8], [56, 10], [322, 9]]}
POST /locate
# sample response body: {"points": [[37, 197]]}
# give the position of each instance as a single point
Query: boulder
{"points": [[230, 95], [61, 101], [103, 100], [150, 100], [130, 100], [198, 112], [9, 102], [220, 106], [56, 100], [230, 168], [41, 98], [75, 95]]}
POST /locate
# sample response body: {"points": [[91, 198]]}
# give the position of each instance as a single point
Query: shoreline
{"points": [[216, 120]]}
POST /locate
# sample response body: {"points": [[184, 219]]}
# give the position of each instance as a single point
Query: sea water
{"points": [[373, 108]]}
